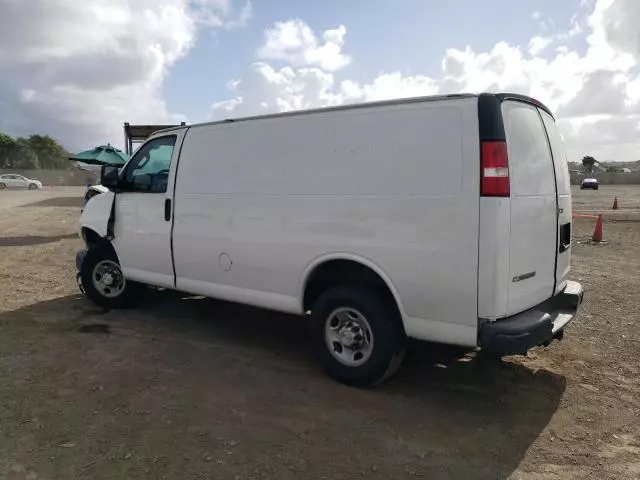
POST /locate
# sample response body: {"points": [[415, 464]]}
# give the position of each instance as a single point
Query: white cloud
{"points": [[232, 85], [221, 13], [596, 93], [605, 137], [227, 105], [99, 63], [507, 68], [576, 28], [309, 81], [295, 42], [267, 90], [545, 23], [388, 86], [617, 22], [94, 64], [603, 93], [537, 44]]}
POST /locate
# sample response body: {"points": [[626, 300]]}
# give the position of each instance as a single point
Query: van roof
{"points": [[354, 106]]}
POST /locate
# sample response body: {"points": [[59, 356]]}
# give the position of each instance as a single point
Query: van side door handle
{"points": [[167, 209]]}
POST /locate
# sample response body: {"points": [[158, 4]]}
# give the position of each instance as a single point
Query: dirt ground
{"points": [[188, 388]]}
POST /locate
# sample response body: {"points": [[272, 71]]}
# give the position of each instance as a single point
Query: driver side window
{"points": [[148, 171]]}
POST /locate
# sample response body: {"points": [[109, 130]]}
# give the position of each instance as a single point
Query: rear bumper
{"points": [[537, 326]]}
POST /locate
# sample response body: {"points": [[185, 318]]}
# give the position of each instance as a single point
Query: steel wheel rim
{"points": [[108, 279], [349, 336]]}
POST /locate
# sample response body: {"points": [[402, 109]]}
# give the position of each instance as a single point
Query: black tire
{"points": [[2, 186], [32, 186], [389, 339], [131, 293]]}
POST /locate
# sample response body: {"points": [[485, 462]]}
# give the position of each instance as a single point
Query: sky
{"points": [[79, 70]]}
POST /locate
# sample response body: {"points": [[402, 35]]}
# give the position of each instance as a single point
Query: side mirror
{"points": [[109, 176]]}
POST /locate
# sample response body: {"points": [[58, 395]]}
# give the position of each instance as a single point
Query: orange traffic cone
{"points": [[615, 204], [597, 233]]}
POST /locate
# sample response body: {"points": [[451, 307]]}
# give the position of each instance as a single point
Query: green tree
{"points": [[614, 170], [588, 163], [51, 155], [16, 153], [24, 157], [37, 151], [7, 147]]}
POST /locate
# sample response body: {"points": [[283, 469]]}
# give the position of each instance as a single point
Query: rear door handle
{"points": [[167, 209]]}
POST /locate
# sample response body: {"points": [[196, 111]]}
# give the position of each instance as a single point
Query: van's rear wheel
{"points": [[357, 335], [103, 281]]}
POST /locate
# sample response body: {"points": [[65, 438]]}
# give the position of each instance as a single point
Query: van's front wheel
{"points": [[357, 335], [103, 281]]}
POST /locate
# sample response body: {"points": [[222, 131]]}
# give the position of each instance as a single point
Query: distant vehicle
{"points": [[589, 183], [18, 181], [445, 219]]}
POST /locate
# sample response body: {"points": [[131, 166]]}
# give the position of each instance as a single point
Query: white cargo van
{"points": [[445, 219]]}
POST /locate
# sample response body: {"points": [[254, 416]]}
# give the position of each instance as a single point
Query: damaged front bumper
{"points": [[79, 259]]}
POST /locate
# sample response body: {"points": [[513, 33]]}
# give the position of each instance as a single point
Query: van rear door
{"points": [[563, 186], [534, 208]]}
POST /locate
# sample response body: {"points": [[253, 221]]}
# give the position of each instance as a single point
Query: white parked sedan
{"points": [[18, 181]]}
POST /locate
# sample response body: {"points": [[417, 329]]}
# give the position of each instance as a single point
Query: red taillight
{"points": [[494, 169]]}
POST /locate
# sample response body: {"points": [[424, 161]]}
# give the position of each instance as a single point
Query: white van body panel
{"points": [[534, 222], [493, 261], [304, 279], [258, 202], [521, 263], [96, 213], [142, 236], [563, 185]]}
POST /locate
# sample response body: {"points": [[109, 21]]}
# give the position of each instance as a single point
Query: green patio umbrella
{"points": [[102, 155]]}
